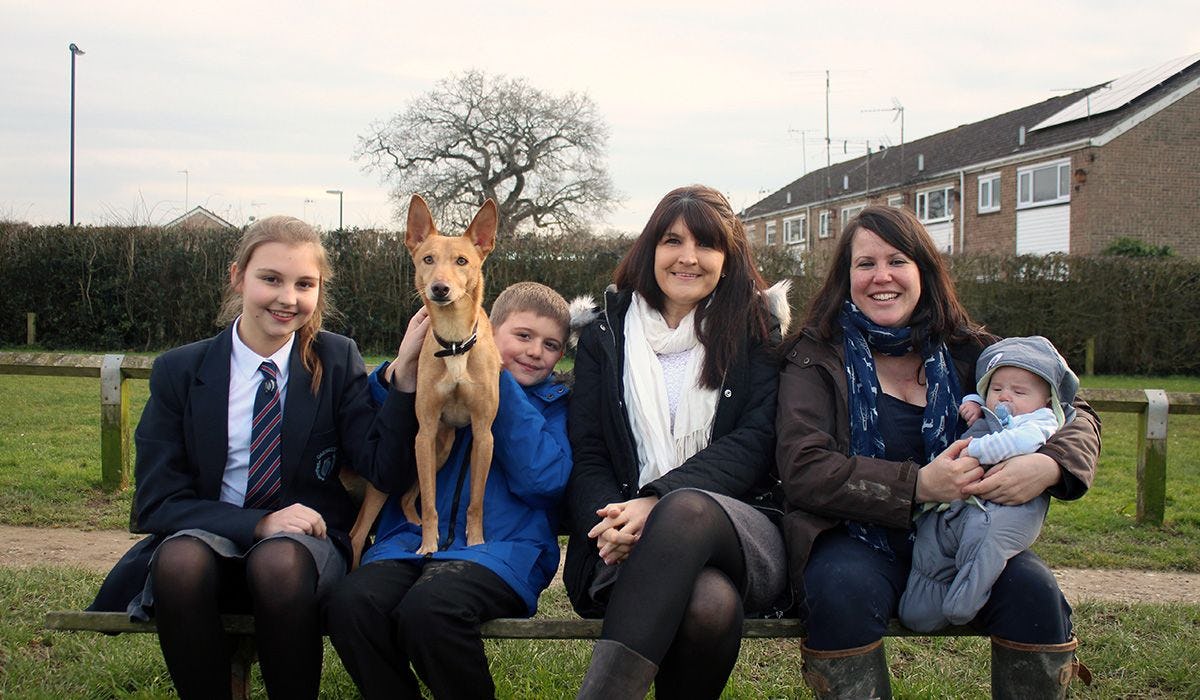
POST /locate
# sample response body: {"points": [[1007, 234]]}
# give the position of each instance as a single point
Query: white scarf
{"points": [[659, 448]]}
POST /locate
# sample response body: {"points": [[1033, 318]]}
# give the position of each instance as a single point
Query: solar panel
{"points": [[1118, 93]]}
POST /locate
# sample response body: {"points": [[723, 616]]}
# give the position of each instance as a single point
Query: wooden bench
{"points": [[241, 629]]}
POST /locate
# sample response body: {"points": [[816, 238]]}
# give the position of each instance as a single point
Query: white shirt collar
{"points": [[246, 361]]}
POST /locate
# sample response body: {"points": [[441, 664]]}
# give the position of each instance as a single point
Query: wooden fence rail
{"points": [[1152, 406], [114, 372]]}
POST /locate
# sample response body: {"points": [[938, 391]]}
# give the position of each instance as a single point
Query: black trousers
{"points": [[391, 614]]}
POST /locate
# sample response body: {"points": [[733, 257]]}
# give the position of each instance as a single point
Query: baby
{"points": [[1026, 392]]}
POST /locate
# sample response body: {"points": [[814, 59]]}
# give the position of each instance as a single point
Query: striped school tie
{"points": [[262, 485]]}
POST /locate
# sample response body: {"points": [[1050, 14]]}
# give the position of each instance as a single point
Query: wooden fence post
{"points": [[1152, 458], [1089, 357], [30, 328], [114, 424]]}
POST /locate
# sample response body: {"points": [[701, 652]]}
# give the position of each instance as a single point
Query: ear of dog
{"points": [[420, 223], [482, 230]]}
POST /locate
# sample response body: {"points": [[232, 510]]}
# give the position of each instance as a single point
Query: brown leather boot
{"points": [[847, 674], [1035, 671]]}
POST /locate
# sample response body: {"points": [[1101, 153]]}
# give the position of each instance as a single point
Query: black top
{"points": [[900, 425]]}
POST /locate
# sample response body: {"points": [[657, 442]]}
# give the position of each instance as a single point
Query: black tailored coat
{"points": [[738, 462], [182, 443]]}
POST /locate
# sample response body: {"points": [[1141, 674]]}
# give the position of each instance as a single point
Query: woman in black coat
{"points": [[672, 428]]}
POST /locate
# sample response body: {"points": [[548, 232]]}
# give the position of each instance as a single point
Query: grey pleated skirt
{"points": [[765, 588], [331, 565]]}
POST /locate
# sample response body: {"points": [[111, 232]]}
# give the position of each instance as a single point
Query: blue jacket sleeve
{"points": [[531, 446]]}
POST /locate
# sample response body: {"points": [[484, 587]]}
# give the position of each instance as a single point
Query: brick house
{"points": [[1070, 174]]}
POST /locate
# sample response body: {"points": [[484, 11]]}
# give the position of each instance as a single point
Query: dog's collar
{"points": [[456, 348]]}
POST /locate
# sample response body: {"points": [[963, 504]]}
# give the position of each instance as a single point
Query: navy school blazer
{"points": [[182, 443]]}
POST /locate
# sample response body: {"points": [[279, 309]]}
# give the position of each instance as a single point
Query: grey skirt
{"points": [[331, 565], [763, 554]]}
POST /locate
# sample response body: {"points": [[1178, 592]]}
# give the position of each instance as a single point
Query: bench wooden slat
{"points": [[504, 628]]}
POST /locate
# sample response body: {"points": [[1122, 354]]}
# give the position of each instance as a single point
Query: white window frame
{"points": [[896, 201], [1025, 176], [990, 184], [751, 230], [769, 238], [921, 207], [823, 224], [795, 231], [850, 212]]}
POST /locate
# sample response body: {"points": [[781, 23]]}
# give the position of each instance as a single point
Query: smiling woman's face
{"points": [[885, 284], [686, 270]]}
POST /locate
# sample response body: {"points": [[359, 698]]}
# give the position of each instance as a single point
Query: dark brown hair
{"points": [[293, 232], [735, 306], [939, 316]]}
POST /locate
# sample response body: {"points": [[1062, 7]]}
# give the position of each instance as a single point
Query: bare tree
{"points": [[539, 156]]}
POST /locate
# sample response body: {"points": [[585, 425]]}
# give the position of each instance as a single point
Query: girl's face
{"points": [[686, 270], [279, 289], [885, 284]]}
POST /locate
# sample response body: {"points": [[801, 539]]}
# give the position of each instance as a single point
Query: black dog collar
{"points": [[456, 348]]}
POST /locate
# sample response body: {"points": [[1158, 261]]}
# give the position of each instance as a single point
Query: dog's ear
{"points": [[420, 223], [482, 230]]}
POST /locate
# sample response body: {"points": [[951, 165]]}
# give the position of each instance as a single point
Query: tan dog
{"points": [[457, 371]]}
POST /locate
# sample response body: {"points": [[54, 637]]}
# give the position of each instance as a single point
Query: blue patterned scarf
{"points": [[939, 428]]}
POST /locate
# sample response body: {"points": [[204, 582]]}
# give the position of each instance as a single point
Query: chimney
{"points": [[1021, 136]]}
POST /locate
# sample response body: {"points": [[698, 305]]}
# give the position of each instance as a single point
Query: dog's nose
{"points": [[439, 290]]}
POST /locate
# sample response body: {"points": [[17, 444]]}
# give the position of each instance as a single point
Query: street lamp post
{"points": [[75, 51], [339, 194]]}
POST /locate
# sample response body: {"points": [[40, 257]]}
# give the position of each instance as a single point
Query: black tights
{"points": [[677, 601], [277, 582]]}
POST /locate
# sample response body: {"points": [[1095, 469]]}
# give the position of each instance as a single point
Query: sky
{"points": [[254, 109]]}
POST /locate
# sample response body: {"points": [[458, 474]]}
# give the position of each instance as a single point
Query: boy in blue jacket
{"points": [[400, 611]]}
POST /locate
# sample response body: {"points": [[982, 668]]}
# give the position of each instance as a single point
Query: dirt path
{"points": [[98, 550]]}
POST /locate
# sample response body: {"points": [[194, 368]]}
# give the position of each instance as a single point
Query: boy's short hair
{"points": [[536, 298]]}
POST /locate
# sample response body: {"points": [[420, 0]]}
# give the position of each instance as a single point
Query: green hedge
{"points": [[151, 289]]}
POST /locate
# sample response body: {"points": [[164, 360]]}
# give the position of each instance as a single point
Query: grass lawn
{"points": [[50, 476], [1133, 650]]}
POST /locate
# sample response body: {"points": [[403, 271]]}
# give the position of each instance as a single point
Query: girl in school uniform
{"points": [[238, 454]]}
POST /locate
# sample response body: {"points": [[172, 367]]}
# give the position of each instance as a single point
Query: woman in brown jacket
{"points": [[867, 430]]}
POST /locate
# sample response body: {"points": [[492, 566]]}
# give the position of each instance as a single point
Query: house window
{"points": [[751, 231], [989, 193], [934, 205], [770, 233], [851, 212], [823, 225], [896, 201], [1044, 184], [794, 231]]}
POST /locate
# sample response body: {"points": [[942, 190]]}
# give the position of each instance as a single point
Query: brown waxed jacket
{"points": [[823, 486]]}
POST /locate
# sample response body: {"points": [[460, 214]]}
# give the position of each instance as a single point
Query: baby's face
{"points": [[1022, 390]]}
